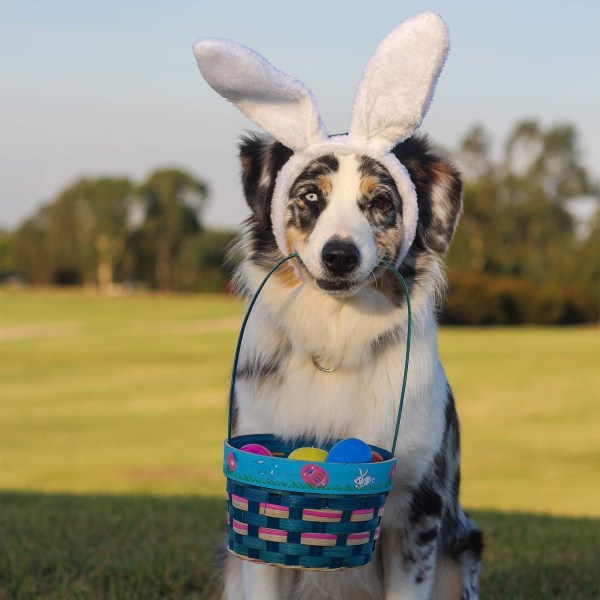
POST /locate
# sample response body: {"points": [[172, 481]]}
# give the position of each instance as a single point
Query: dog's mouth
{"points": [[333, 285], [340, 287], [336, 286]]}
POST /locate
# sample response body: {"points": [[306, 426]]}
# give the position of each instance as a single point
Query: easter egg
{"points": [[256, 449], [231, 462], [376, 457], [350, 450], [312, 454], [314, 475]]}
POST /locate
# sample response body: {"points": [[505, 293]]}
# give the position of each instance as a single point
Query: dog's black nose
{"points": [[340, 257]]}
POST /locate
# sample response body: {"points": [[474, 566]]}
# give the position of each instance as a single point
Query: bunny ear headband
{"points": [[391, 102]]}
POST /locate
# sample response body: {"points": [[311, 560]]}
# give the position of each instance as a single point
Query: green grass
{"points": [[134, 547], [146, 548], [529, 404], [126, 396], [114, 395]]}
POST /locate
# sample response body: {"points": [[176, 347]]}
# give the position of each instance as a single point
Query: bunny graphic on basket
{"points": [[363, 479], [344, 236]]}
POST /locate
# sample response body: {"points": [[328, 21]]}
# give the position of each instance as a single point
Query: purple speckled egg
{"points": [[314, 475]]}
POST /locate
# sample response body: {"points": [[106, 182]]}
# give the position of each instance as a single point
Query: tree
{"points": [[202, 261], [103, 214], [516, 221], [517, 244], [473, 154], [8, 254], [470, 248], [173, 201], [587, 265], [32, 258], [80, 236]]}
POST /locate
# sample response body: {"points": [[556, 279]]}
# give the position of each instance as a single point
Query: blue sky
{"points": [[92, 88]]}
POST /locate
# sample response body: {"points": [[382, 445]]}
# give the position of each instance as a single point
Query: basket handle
{"points": [[236, 358]]}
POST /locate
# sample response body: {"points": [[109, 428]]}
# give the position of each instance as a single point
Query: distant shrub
{"points": [[201, 264], [486, 300]]}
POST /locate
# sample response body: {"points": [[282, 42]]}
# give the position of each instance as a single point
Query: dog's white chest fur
{"points": [[290, 397]]}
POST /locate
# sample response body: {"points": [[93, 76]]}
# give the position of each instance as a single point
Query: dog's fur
{"points": [[429, 547]]}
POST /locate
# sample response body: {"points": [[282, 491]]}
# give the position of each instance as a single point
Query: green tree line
{"points": [[520, 254], [108, 230]]}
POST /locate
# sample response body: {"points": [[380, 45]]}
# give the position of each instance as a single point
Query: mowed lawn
{"points": [[114, 394], [127, 396]]}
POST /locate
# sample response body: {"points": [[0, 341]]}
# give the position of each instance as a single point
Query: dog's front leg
{"points": [[411, 546], [262, 582], [409, 575]]}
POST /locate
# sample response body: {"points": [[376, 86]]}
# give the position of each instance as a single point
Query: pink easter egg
{"points": [[392, 471], [314, 475], [256, 449]]}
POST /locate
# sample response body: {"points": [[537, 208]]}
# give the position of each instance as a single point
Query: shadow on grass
{"points": [[145, 547]]}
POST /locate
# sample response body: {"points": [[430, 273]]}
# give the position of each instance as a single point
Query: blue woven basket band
{"points": [[293, 525], [305, 563], [297, 561], [302, 500]]}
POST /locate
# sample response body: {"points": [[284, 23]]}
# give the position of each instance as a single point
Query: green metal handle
{"points": [[236, 358]]}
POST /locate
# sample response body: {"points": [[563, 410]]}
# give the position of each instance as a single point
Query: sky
{"points": [[112, 87]]}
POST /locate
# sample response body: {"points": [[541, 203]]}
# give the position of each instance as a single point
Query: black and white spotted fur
{"points": [[356, 322]]}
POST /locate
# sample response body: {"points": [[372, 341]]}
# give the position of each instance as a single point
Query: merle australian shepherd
{"points": [[323, 353], [339, 314]]}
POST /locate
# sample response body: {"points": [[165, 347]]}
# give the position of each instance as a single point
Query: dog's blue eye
{"points": [[311, 197]]}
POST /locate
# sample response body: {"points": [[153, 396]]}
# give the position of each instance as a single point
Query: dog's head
{"points": [[343, 203], [344, 213]]}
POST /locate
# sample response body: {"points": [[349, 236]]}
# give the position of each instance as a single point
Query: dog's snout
{"points": [[340, 257]]}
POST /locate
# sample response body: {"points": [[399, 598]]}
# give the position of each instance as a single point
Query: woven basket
{"points": [[303, 514]]}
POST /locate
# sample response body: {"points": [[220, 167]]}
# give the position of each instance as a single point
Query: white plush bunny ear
{"points": [[398, 84], [280, 104]]}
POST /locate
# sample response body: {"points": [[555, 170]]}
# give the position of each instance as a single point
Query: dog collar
{"points": [[321, 368], [391, 101]]}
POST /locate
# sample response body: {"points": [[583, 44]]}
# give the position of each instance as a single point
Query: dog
{"points": [[324, 349], [356, 324]]}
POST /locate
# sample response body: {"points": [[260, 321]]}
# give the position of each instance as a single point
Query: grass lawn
{"points": [[151, 548], [126, 396], [114, 394]]}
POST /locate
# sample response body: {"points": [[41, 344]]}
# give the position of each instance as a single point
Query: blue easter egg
{"points": [[351, 450]]}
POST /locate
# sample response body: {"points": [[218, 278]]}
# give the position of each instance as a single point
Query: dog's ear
{"points": [[439, 192], [262, 159]]}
